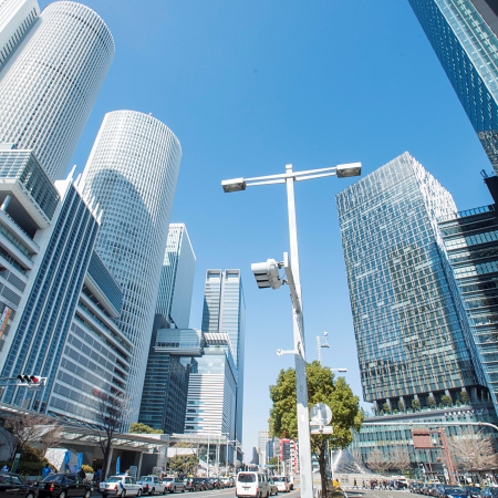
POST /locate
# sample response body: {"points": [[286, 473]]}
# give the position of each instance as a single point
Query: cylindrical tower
{"points": [[132, 173], [48, 91]]}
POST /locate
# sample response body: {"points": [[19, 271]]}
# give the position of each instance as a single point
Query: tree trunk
{"points": [[322, 462]]}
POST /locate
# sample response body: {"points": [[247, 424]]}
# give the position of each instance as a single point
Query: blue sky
{"points": [[250, 86]]}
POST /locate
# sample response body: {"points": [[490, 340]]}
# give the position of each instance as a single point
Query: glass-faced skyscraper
{"points": [[463, 33], [132, 173], [177, 278], [412, 343], [216, 389], [49, 86]]}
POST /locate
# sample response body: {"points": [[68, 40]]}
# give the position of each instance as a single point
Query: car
{"points": [[273, 487], [490, 492], [12, 485], [207, 482], [151, 485], [216, 482], [120, 486], [194, 484], [473, 492], [253, 484], [228, 481], [445, 491], [282, 483], [173, 484], [63, 486]]}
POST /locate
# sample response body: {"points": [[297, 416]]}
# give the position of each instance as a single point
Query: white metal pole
{"points": [[303, 424]]}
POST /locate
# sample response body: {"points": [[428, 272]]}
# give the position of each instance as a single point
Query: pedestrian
{"points": [[46, 471], [82, 473], [354, 484], [363, 485]]}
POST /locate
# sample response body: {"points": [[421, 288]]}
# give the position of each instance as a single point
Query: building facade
{"points": [[177, 278], [131, 173], [223, 323], [415, 347], [463, 34], [471, 242], [16, 19], [50, 84]]}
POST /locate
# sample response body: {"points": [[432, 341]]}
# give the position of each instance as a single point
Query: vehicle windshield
{"points": [[246, 477], [473, 490], [145, 478], [167, 479], [493, 491], [114, 479], [455, 491], [52, 478]]}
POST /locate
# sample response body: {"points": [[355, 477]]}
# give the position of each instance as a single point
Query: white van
{"points": [[252, 484]]}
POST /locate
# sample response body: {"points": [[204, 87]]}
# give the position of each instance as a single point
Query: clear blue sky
{"points": [[249, 86]]}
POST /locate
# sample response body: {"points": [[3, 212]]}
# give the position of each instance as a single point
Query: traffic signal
{"points": [[31, 379]]}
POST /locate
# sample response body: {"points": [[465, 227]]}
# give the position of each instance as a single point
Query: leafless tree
{"points": [[376, 461], [31, 430], [400, 458], [356, 452], [112, 416], [473, 451]]}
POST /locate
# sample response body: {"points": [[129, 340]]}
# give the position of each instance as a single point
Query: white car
{"points": [[120, 486], [173, 484], [282, 483], [151, 485]]}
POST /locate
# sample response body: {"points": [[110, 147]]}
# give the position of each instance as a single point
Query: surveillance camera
{"points": [[325, 334], [279, 352]]}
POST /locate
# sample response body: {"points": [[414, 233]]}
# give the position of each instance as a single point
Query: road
{"points": [[351, 493]]}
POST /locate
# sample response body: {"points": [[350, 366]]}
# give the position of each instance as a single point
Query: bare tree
{"points": [[112, 416], [400, 458], [356, 452], [30, 430], [473, 451], [376, 461]]}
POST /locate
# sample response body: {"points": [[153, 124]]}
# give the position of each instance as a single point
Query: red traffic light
{"points": [[29, 379]]}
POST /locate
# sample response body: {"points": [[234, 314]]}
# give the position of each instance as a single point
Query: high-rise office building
{"points": [[402, 304], [177, 278], [49, 86], [463, 33], [471, 242], [215, 392], [414, 343], [16, 18], [131, 173], [262, 442]]}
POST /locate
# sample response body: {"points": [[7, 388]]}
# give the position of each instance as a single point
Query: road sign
{"points": [[321, 429], [321, 414]]}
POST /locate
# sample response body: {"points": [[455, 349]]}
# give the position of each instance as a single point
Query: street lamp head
{"points": [[343, 370], [233, 185], [347, 170]]}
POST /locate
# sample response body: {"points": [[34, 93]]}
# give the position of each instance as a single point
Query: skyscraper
{"points": [[414, 343], [177, 278], [463, 33], [411, 344], [49, 87], [132, 172], [16, 18], [215, 393]]}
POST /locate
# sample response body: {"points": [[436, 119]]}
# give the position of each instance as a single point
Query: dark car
{"points": [[207, 483], [194, 484], [217, 483], [490, 492], [473, 492], [64, 486], [12, 486], [445, 491]]}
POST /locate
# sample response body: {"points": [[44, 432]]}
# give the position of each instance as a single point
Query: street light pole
{"points": [[293, 277], [303, 424]]}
